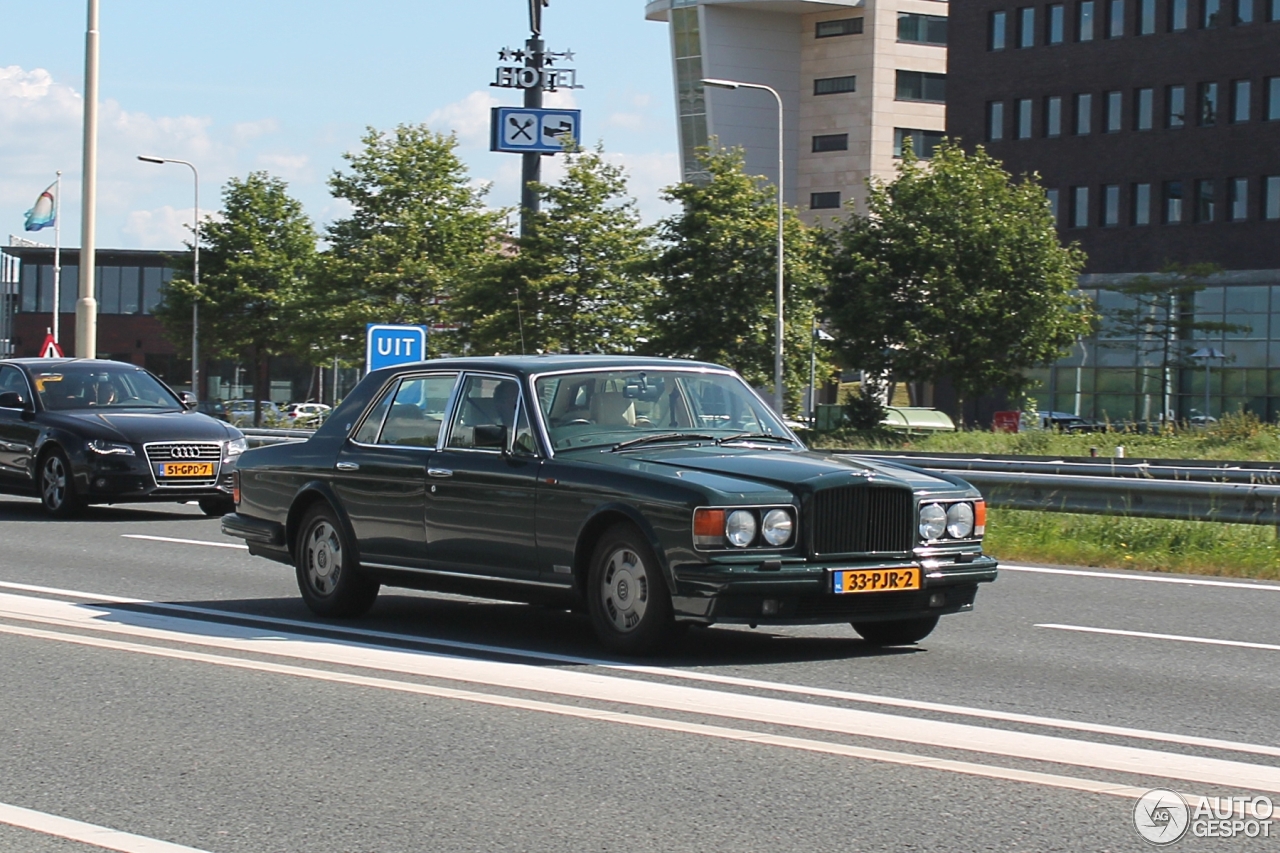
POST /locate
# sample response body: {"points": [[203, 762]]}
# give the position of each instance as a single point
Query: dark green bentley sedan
{"points": [[653, 493]]}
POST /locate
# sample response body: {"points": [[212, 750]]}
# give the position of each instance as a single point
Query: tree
{"points": [[417, 230], [255, 260], [1156, 321], [718, 276], [581, 280], [955, 273]]}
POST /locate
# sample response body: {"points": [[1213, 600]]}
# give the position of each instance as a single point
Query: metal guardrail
{"points": [[1235, 492]]}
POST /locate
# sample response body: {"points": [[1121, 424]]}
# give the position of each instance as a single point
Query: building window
{"points": [[1243, 12], [1115, 19], [1111, 205], [1140, 211], [1207, 99], [1084, 114], [1084, 25], [1115, 106], [824, 201], [1273, 14], [1051, 196], [1271, 197], [831, 142], [842, 27], [1172, 202], [1238, 199], [922, 29], [1053, 116], [1055, 26], [1177, 101], [1273, 98], [922, 86], [1206, 201], [1027, 26], [1146, 17], [1212, 13], [1241, 100], [1079, 207], [995, 121], [835, 85], [923, 142], [1022, 118], [1143, 109], [999, 31], [1177, 15]]}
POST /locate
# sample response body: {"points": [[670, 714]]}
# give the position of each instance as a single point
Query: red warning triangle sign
{"points": [[50, 348]]}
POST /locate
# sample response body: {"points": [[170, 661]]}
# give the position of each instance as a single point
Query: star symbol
{"points": [[549, 60], [567, 56], [504, 55], [518, 55]]}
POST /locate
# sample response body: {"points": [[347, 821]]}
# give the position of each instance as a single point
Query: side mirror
{"points": [[188, 401], [13, 400], [490, 437]]}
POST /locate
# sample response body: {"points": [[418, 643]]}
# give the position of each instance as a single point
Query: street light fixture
{"points": [[195, 273], [778, 330]]}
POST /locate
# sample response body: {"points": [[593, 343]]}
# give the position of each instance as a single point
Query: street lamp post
{"points": [[778, 330], [1207, 355], [195, 273]]}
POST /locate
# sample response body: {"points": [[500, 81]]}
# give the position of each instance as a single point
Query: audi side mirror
{"points": [[188, 401], [13, 400]]}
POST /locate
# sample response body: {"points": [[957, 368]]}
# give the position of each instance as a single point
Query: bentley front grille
{"points": [[862, 519], [173, 463]]}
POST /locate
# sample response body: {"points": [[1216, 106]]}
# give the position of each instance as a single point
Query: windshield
{"points": [[86, 386], [611, 407]]}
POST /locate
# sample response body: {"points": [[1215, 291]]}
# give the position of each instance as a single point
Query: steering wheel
{"points": [[577, 422]]}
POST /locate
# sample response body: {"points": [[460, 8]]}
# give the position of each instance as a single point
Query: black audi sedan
{"points": [[85, 431], [651, 493]]}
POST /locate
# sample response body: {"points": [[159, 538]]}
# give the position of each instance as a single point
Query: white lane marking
{"points": [[685, 675], [600, 715], [1152, 578], [1240, 644], [86, 833], [691, 700], [184, 541]]}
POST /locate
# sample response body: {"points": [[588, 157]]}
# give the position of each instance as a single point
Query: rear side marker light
{"points": [[235, 487]]}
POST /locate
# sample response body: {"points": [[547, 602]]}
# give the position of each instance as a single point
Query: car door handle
{"points": [[439, 473], [348, 466]]}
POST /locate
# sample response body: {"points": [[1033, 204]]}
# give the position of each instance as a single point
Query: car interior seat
{"points": [[613, 408]]}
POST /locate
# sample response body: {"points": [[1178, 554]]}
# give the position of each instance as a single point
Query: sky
{"points": [[288, 86]]}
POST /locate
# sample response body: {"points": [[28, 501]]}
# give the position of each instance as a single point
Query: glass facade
{"points": [[121, 289], [686, 33]]}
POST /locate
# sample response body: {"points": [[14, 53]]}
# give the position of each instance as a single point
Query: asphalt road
{"points": [[163, 692]]}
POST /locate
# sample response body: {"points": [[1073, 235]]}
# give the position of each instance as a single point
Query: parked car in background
{"points": [[1065, 422], [77, 431], [240, 413], [212, 408], [305, 415]]}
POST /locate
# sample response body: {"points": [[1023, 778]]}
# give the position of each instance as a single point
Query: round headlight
{"points": [[960, 521], [777, 526], [740, 528], [933, 521]]}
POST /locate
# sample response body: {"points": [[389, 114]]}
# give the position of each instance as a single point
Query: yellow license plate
{"points": [[875, 580], [185, 469]]}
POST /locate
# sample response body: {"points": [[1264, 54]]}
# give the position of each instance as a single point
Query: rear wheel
{"points": [[57, 486], [902, 632], [328, 576], [627, 597]]}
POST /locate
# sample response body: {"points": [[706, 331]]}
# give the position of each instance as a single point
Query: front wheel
{"points": [[57, 486], [627, 597], [902, 632], [328, 576]]}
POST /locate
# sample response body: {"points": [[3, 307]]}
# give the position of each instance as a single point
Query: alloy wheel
{"points": [[53, 482], [323, 557]]}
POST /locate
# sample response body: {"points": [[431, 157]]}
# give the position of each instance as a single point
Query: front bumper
{"points": [[800, 593], [128, 479]]}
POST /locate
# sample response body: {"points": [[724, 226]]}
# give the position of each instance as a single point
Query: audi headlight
{"points": [[232, 449], [740, 528], [777, 527], [110, 448], [933, 521], [960, 521]]}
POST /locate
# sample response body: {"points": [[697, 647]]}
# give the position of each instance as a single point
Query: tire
{"points": [[329, 577], [57, 486], [627, 597], [217, 507], [903, 632]]}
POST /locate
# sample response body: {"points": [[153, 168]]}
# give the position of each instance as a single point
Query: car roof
{"points": [[534, 364], [49, 363]]}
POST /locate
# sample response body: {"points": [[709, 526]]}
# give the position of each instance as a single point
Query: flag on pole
{"points": [[45, 212]]}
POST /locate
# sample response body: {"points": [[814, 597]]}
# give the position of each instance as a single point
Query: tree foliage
{"points": [[955, 273], [718, 276], [580, 282], [255, 261]]}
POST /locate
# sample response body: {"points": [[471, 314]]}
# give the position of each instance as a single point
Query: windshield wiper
{"points": [[754, 436], [664, 436]]}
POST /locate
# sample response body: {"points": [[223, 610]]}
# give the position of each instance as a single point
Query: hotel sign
{"points": [[549, 79]]}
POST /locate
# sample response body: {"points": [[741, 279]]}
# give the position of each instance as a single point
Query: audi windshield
{"points": [[84, 386]]}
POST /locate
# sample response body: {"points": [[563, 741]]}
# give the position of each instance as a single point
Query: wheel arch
{"points": [[308, 496], [600, 521]]}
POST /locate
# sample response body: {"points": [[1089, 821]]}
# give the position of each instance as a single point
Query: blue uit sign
{"points": [[521, 130], [387, 346]]}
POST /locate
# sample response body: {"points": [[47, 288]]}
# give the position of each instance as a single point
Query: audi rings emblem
{"points": [[185, 452]]}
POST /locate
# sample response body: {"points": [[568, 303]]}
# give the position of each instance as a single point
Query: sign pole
{"points": [[530, 203]]}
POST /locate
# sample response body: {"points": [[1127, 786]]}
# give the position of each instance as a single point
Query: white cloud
{"points": [[163, 228], [468, 118], [291, 167], [247, 131], [647, 176]]}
